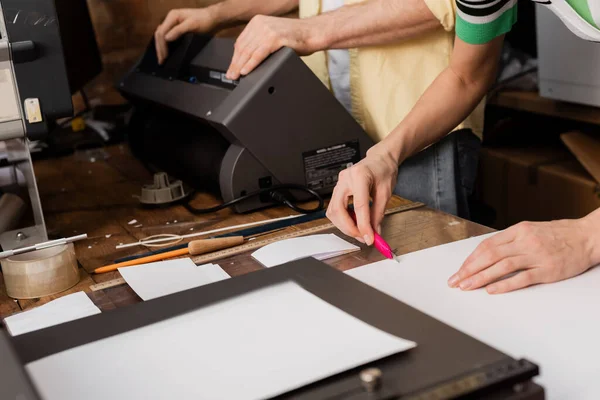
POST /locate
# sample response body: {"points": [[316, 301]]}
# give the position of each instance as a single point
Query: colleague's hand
{"points": [[374, 177], [265, 35], [180, 22], [538, 252]]}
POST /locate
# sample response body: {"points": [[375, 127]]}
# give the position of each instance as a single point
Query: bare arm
{"points": [[374, 22], [240, 11], [447, 102], [224, 13]]}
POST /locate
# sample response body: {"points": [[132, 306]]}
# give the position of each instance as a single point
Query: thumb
{"points": [[380, 199]]}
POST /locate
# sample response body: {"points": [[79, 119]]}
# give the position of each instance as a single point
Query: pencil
{"points": [[143, 260]]}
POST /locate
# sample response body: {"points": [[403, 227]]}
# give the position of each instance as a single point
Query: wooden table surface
{"points": [[98, 198]]}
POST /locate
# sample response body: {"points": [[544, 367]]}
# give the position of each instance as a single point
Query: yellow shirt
{"points": [[386, 81]]}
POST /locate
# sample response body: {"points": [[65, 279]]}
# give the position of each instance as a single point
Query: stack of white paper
{"points": [[555, 325], [320, 247], [159, 279], [255, 346], [65, 309]]}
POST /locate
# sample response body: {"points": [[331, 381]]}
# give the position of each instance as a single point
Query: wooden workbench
{"points": [[97, 198]]}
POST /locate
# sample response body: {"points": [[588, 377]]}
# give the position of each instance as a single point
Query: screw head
{"points": [[371, 379], [21, 236]]}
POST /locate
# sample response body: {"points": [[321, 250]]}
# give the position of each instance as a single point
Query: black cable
{"points": [[276, 193]]}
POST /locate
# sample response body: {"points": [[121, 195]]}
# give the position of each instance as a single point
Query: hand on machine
{"points": [[263, 36]]}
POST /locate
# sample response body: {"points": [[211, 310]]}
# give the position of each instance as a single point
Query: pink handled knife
{"points": [[380, 244]]}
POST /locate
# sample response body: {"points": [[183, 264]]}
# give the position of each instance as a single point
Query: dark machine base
{"points": [[446, 364]]}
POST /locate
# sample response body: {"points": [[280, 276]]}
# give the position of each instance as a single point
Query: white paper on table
{"points": [[67, 308], [257, 345], [320, 247], [556, 326], [162, 278]]}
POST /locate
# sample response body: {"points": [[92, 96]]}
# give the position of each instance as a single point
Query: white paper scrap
{"points": [[320, 247], [159, 279], [67, 308]]}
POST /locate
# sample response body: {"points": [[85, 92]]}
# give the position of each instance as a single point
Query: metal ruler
{"points": [[257, 244]]}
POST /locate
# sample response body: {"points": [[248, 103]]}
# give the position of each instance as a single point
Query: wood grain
{"points": [[81, 208]]}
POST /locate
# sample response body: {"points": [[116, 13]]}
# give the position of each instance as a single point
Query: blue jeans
{"points": [[443, 175]]}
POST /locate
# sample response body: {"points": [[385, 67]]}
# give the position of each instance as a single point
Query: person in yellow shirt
{"points": [[377, 57], [526, 254]]}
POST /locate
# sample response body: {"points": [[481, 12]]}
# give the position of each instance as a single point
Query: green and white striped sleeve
{"points": [[481, 21]]}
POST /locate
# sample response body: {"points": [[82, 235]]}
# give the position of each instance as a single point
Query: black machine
{"points": [[446, 364], [36, 52], [277, 126], [34, 93], [47, 52], [82, 55]]}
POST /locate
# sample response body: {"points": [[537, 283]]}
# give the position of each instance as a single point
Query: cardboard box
{"points": [[565, 190], [535, 185]]}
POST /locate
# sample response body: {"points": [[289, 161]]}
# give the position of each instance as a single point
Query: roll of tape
{"points": [[41, 273]]}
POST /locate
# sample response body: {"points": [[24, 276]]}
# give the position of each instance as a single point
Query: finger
{"points": [[240, 58], [495, 272], [488, 253], [257, 57], [158, 39], [519, 281], [240, 44], [360, 192], [172, 19], [337, 211], [487, 258], [157, 46], [498, 239], [380, 199], [178, 30]]}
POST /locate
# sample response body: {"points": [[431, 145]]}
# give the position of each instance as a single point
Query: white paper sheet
{"points": [[556, 326], [68, 308], [320, 247], [159, 279], [258, 345]]}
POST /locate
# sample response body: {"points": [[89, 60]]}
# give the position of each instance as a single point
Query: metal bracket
{"points": [[11, 115]]}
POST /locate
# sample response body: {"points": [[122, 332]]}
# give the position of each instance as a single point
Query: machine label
{"points": [[322, 166]]}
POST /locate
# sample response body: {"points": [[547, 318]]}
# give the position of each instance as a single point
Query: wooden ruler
{"points": [[256, 244], [107, 284]]}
